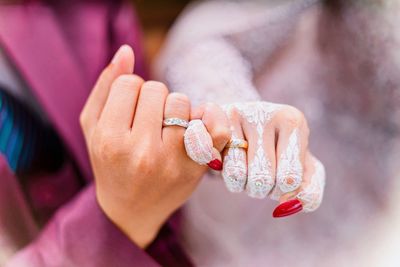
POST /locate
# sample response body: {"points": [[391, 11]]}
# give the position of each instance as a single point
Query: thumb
{"points": [[124, 60], [122, 63]]}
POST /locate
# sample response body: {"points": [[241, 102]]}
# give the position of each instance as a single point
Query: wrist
{"points": [[141, 227]]}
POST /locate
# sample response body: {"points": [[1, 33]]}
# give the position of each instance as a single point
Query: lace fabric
{"points": [[242, 47]]}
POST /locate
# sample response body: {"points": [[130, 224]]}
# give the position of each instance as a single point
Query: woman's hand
{"points": [[277, 162], [141, 169]]}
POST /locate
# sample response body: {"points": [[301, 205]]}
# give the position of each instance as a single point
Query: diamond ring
{"points": [[237, 143], [175, 122]]}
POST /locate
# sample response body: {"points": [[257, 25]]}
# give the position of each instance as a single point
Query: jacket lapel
{"points": [[34, 43]]}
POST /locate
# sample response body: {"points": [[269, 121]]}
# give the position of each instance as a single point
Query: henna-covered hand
{"points": [[277, 162]]}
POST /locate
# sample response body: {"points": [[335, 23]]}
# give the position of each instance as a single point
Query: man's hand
{"points": [[141, 169]]}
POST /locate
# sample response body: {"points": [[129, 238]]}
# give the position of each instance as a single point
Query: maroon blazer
{"points": [[59, 48]]}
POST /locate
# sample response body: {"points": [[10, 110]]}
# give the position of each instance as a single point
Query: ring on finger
{"points": [[237, 143], [175, 122]]}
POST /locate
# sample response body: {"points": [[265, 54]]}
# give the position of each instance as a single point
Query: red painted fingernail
{"points": [[215, 164], [287, 208]]}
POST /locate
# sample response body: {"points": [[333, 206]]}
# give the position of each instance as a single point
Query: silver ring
{"points": [[175, 122]]}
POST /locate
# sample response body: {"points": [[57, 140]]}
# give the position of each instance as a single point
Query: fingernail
{"points": [[215, 164], [118, 54], [287, 208]]}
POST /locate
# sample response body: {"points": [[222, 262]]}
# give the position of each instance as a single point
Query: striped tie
{"points": [[28, 145]]}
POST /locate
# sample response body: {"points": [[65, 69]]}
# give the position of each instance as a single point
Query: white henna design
{"points": [[260, 179], [256, 112], [311, 196], [290, 169], [234, 170], [198, 142]]}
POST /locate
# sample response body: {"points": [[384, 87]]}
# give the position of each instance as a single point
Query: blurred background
{"points": [[360, 218], [156, 17]]}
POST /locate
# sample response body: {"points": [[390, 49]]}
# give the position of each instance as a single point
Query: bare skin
{"points": [[141, 169]]}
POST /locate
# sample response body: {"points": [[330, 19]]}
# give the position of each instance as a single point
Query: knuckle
{"points": [[174, 174], [143, 158], [292, 117], [128, 81], [124, 80], [234, 114], [142, 162], [208, 106], [137, 81], [177, 105], [108, 148], [157, 87], [179, 99]]}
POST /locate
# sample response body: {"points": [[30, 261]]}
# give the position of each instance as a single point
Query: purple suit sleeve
{"points": [[81, 235]]}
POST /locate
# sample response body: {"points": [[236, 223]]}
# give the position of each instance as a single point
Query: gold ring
{"points": [[237, 143]]}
